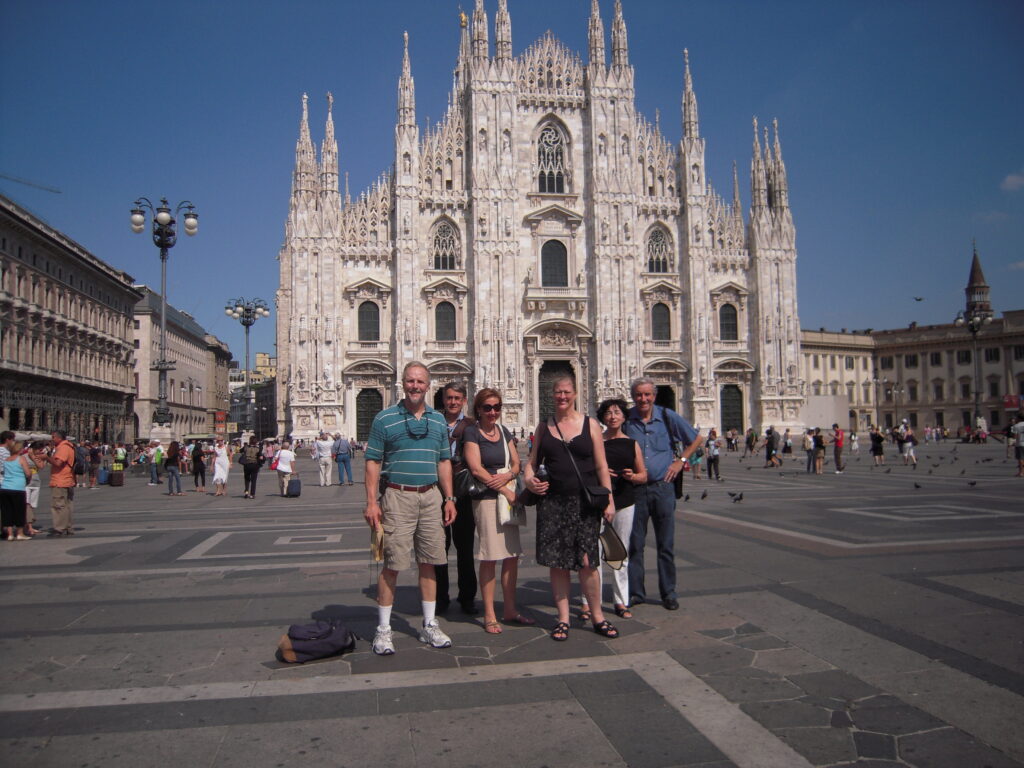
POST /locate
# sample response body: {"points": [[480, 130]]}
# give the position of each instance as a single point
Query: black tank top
{"points": [[621, 454], [552, 454]]}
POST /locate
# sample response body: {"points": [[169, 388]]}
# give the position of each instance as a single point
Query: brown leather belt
{"points": [[412, 488]]}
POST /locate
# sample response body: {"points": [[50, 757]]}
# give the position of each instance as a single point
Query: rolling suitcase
{"points": [[117, 479], [294, 489], [103, 476]]}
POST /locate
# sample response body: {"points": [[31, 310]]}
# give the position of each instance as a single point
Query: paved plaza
{"points": [[872, 618]]}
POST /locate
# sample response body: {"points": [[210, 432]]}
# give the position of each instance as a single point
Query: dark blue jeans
{"points": [[344, 462], [655, 502]]}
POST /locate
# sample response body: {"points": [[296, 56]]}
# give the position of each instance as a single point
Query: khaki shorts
{"points": [[412, 522]]}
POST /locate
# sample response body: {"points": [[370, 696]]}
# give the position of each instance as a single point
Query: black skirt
{"points": [[565, 533], [12, 508]]}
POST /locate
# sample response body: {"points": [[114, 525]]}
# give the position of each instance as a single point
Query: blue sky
{"points": [[902, 126]]}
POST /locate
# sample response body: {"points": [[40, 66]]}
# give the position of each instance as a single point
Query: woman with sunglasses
{"points": [[490, 453]]}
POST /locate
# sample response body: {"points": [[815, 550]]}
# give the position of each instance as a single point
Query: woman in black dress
{"points": [[567, 533]]}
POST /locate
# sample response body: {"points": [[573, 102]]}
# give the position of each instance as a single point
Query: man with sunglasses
{"points": [[407, 459]]}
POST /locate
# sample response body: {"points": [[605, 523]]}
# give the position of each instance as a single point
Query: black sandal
{"points": [[606, 629], [585, 615], [560, 633], [623, 612]]}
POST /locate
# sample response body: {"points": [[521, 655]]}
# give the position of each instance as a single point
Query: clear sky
{"points": [[902, 127]]}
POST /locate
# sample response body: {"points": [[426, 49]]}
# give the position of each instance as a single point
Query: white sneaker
{"points": [[432, 635], [383, 645]]}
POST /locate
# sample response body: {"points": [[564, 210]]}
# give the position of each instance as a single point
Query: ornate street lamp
{"points": [[895, 391], [247, 312], [164, 237], [974, 322]]}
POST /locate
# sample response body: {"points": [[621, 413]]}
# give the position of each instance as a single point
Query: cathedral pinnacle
{"points": [[406, 89], [758, 182], [502, 33], [977, 289], [691, 125], [780, 184], [595, 33], [329, 162], [480, 44], [620, 45]]}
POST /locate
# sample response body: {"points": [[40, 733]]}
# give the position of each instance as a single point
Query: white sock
{"points": [[428, 611], [384, 615]]}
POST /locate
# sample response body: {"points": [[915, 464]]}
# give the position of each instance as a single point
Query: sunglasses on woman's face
{"points": [[487, 408]]}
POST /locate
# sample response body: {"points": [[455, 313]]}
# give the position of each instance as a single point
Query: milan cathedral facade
{"points": [[541, 226]]}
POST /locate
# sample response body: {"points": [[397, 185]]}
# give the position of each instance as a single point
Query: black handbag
{"points": [[466, 485], [595, 497]]}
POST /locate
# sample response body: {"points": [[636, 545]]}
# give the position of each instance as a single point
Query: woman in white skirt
{"points": [[490, 453], [221, 468], [626, 466]]}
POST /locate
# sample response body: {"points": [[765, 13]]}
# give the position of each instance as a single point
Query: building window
{"points": [[992, 354], [867, 392], [885, 363], [850, 392], [814, 362], [551, 161], [446, 246], [444, 321], [993, 389], [816, 388], [910, 361], [965, 389], [1018, 351], [935, 358], [912, 392], [993, 418], [963, 357], [369, 321], [659, 251], [554, 265], [661, 323], [832, 362], [136, 343], [728, 324], [848, 363], [938, 392], [863, 363], [913, 419]]}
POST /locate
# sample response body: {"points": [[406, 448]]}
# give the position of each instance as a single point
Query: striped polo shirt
{"points": [[408, 448]]}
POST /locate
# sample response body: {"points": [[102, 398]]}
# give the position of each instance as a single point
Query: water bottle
{"points": [[542, 474]]}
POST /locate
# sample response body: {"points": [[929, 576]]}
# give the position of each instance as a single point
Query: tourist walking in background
{"points": [[285, 459], [341, 450], [837, 448], [199, 466], [877, 445], [172, 466], [713, 453], [323, 454], [251, 458], [819, 451], [221, 467], [808, 444]]}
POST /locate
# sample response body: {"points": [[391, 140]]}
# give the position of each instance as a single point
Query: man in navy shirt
{"points": [[657, 430]]}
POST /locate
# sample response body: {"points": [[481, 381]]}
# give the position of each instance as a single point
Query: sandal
{"points": [[606, 629], [585, 615], [623, 612], [492, 627], [526, 621], [560, 633]]}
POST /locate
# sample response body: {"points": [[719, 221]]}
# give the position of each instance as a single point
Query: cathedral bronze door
{"points": [[549, 371], [369, 402], [732, 408]]}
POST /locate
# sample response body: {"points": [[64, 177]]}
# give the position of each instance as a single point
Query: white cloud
{"points": [[1013, 182], [1017, 266]]}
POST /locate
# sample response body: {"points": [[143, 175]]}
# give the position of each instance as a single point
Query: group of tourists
{"points": [[21, 463], [434, 479]]}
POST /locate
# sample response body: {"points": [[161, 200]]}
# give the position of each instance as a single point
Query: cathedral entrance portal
{"points": [[732, 408], [369, 402], [549, 371], [665, 397]]}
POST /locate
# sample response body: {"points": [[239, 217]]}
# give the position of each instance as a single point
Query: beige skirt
{"points": [[494, 541]]}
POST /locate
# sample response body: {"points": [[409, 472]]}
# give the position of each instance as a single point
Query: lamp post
{"points": [[974, 322], [247, 312], [896, 390], [164, 237]]}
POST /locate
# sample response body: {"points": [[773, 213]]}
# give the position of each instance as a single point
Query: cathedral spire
{"points": [[735, 187], [977, 289], [595, 31], [758, 182], [406, 89], [480, 45], [329, 161], [620, 46], [502, 33], [781, 186], [462, 66], [691, 125], [304, 179]]}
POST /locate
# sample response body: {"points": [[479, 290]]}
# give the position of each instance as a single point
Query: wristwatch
{"points": [[450, 498]]}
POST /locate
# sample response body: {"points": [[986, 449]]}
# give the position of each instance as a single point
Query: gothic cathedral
{"points": [[541, 226]]}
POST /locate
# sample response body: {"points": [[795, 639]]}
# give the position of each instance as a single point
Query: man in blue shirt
{"points": [[657, 430], [408, 449]]}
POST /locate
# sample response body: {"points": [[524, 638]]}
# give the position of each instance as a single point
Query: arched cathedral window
{"points": [[444, 321], [728, 325], [550, 161], [369, 321], [659, 251], [446, 246], [661, 323], [554, 265]]}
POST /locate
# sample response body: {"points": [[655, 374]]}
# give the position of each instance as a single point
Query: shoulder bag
{"points": [[595, 497], [515, 513], [613, 550]]}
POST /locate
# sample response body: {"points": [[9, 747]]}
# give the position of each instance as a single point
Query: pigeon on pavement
{"points": [[738, 499], [705, 494]]}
